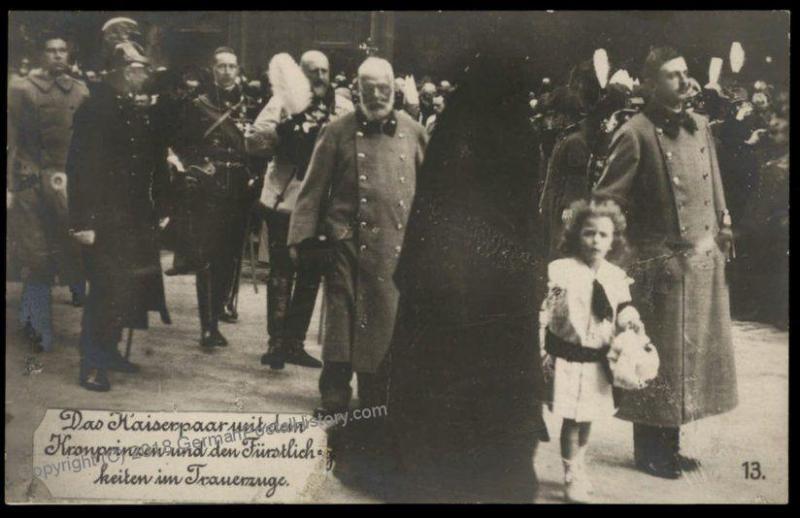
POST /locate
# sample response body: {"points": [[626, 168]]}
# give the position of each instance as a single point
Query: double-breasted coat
{"points": [[673, 195], [117, 182], [358, 191], [40, 113]]}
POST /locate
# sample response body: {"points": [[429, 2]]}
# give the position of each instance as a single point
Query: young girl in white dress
{"points": [[586, 294]]}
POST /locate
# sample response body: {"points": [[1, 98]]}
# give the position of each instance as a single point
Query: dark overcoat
{"points": [[673, 195], [465, 388], [567, 180], [117, 180]]}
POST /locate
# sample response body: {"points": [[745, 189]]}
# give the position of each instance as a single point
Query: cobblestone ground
{"points": [[178, 376]]}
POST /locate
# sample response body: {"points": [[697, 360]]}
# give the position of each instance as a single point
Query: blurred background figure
{"points": [[38, 141]]}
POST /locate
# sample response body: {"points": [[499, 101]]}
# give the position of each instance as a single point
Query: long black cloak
{"points": [[465, 381]]}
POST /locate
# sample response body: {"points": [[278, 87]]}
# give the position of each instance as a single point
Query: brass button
{"points": [[397, 248], [362, 155], [363, 224], [402, 179], [359, 133], [676, 180], [363, 200], [363, 247], [402, 157], [684, 228], [401, 135], [669, 155], [402, 203], [659, 131], [363, 178], [399, 226]]}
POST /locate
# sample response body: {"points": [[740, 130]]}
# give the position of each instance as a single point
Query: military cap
{"points": [[128, 53]]}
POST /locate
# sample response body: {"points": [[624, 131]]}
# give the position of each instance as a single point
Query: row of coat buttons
{"points": [[363, 178], [363, 225], [363, 155], [361, 134], [401, 203], [396, 248]]}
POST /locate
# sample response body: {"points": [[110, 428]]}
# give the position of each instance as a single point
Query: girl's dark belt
{"points": [[573, 352]]}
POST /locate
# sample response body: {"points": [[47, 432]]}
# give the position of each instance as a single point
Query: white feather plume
{"points": [[714, 70], [622, 77], [736, 57], [289, 83], [601, 66]]}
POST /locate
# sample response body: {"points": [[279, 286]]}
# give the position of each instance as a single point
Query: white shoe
{"points": [[577, 488]]}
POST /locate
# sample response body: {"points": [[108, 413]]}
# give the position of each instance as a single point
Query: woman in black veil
{"points": [[465, 385]]}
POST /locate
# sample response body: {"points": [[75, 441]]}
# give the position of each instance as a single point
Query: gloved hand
{"points": [[84, 237], [725, 240], [315, 253]]}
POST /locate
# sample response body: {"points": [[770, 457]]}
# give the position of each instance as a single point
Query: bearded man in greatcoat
{"points": [[357, 194]]}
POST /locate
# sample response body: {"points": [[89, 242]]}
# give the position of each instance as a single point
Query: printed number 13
{"points": [[752, 470]]}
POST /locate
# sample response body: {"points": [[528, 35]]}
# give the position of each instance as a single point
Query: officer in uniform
{"points": [[663, 170], [40, 111], [289, 140], [117, 193], [368, 161], [215, 176]]}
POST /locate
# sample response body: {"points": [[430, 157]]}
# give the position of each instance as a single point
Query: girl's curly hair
{"points": [[581, 211]]}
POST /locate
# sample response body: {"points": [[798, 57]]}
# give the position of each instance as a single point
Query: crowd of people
{"points": [[650, 199]]}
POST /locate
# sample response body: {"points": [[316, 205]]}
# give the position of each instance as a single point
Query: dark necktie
{"points": [[601, 307]]}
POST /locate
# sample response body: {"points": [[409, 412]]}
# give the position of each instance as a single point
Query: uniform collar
{"points": [[387, 126], [44, 82]]}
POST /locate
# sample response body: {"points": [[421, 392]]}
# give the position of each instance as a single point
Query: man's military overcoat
{"points": [[672, 191], [358, 191], [40, 112]]}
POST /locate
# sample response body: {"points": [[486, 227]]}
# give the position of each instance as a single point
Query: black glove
{"points": [[315, 254]]}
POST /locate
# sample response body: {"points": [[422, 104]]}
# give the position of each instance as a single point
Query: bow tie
{"points": [[671, 121], [387, 126]]}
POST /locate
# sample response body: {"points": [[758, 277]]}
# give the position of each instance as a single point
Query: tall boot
{"points": [[275, 356], [656, 450], [205, 307], [279, 293]]}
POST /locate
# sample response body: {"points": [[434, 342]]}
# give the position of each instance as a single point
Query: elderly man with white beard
{"points": [[356, 198]]}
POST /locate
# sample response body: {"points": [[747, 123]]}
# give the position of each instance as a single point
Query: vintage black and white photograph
{"points": [[374, 257]]}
